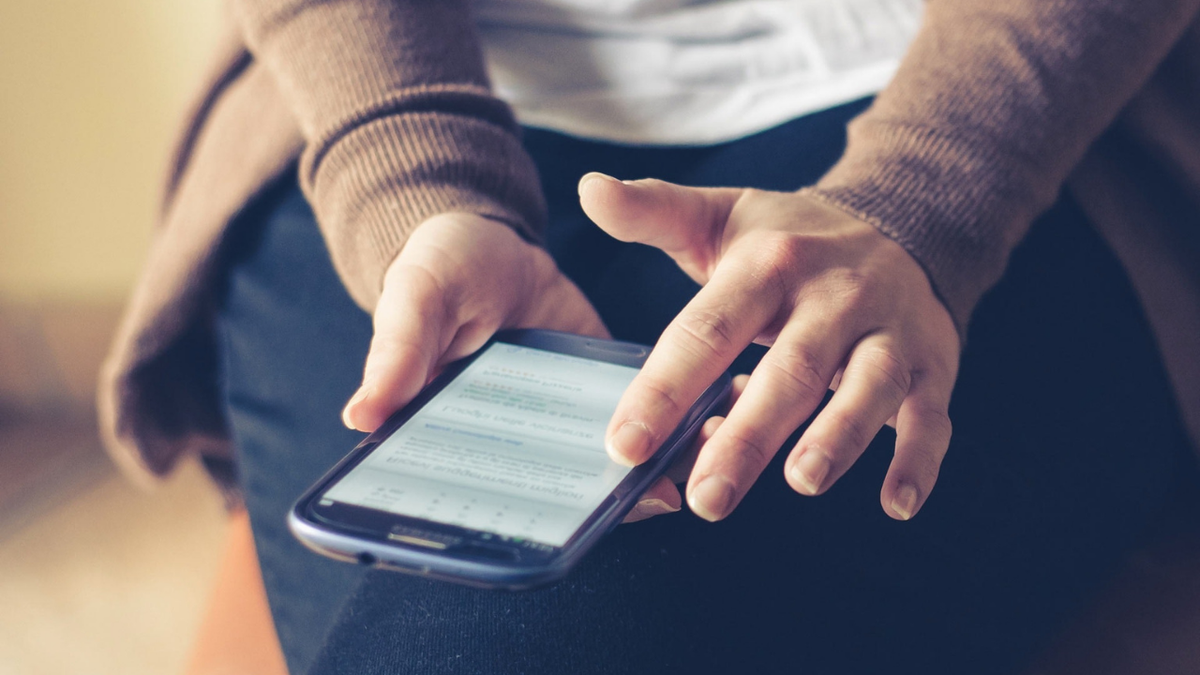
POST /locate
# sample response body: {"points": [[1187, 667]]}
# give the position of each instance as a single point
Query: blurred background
{"points": [[95, 575]]}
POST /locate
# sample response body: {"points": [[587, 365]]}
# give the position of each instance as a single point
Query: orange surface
{"points": [[237, 634]]}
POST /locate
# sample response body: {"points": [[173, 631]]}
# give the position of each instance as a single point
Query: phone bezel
{"points": [[476, 557]]}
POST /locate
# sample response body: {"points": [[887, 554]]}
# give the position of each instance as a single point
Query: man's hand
{"points": [[458, 279], [840, 305]]}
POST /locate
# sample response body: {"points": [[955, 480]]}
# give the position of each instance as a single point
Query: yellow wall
{"points": [[90, 94]]}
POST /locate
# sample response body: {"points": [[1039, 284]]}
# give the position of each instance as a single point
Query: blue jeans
{"points": [[1066, 444]]}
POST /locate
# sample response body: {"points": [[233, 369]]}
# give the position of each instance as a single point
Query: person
{"points": [[421, 200]]}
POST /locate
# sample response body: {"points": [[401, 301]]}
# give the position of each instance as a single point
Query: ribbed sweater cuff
{"points": [[393, 101], [948, 202], [384, 177]]}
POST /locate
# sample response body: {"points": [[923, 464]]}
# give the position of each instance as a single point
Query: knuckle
{"points": [[778, 261], [931, 443], [800, 370], [850, 430], [749, 447], [940, 371], [785, 252], [663, 395], [711, 332], [888, 370], [937, 420]]}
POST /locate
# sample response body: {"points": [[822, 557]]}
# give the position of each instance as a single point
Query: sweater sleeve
{"points": [[399, 124], [991, 108]]}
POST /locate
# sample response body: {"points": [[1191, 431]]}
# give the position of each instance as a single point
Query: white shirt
{"points": [[680, 72]]}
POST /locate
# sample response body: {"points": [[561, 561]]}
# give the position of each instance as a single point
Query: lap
{"points": [[292, 346], [1065, 445]]}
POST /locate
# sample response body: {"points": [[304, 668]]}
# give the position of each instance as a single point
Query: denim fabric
{"points": [[1066, 445]]}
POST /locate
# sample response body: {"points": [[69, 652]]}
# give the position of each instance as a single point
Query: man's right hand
{"points": [[459, 278]]}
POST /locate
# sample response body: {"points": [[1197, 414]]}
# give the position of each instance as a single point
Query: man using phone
{"points": [[863, 283]]}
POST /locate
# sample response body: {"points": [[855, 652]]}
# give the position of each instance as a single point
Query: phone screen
{"points": [[512, 446]]}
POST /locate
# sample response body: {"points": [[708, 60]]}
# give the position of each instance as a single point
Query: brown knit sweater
{"points": [[997, 107]]}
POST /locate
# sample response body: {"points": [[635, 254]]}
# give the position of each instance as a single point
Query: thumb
{"points": [[411, 324], [685, 222]]}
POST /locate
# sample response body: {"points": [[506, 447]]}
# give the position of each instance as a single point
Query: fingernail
{"points": [[810, 470], [630, 444], [655, 507], [595, 175], [905, 501], [712, 498], [359, 397]]}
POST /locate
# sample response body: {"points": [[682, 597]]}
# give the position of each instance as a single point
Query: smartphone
{"points": [[495, 476]]}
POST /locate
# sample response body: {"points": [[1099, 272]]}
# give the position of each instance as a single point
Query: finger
{"points": [[697, 346], [786, 387], [661, 498], [736, 388], [685, 222], [874, 384], [922, 437], [411, 322], [681, 468]]}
